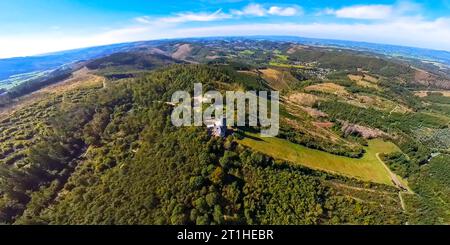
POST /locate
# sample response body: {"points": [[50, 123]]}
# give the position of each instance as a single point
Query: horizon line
{"points": [[59, 52]]}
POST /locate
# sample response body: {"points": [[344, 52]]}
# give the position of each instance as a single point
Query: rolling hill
{"points": [[361, 140]]}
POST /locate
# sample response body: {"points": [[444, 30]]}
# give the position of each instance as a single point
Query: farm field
{"points": [[365, 81], [278, 79], [367, 168], [424, 93], [277, 64], [330, 88]]}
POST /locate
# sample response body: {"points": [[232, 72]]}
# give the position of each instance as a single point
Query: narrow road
{"points": [[358, 188], [403, 188], [394, 177], [402, 202]]}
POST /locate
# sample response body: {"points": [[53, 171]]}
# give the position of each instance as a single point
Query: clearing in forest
{"points": [[424, 93], [365, 81], [278, 79], [366, 168], [329, 88]]}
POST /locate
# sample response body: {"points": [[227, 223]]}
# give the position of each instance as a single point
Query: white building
{"points": [[217, 127]]}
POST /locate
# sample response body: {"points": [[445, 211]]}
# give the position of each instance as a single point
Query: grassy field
{"points": [[330, 88], [278, 64], [282, 57], [247, 52], [367, 168], [424, 93], [365, 81], [278, 79]]}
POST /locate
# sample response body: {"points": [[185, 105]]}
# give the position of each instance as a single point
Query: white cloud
{"points": [[251, 10], [369, 12], [288, 11], [259, 11], [402, 27], [375, 11], [196, 17], [414, 32], [410, 32], [325, 11], [26, 45], [143, 20], [183, 17]]}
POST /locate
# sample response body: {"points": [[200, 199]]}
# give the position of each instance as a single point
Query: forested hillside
{"points": [[356, 145], [111, 151]]}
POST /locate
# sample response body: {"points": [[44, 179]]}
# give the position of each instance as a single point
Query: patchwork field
{"points": [[365, 81], [302, 98], [278, 79], [361, 100], [182, 51], [424, 93], [367, 168], [330, 88], [278, 64]]}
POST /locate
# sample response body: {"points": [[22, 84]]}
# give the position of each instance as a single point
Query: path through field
{"points": [[403, 188], [366, 168], [394, 177]]}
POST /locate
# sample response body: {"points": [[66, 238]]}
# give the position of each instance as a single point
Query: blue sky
{"points": [[29, 27]]}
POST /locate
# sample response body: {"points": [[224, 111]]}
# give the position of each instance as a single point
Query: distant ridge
{"points": [[20, 65]]}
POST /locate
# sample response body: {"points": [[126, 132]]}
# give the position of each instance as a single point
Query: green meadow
{"points": [[278, 64], [366, 168]]}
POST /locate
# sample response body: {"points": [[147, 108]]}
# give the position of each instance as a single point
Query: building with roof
{"points": [[217, 127]]}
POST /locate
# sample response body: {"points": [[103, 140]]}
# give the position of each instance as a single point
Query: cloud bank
{"points": [[260, 11]]}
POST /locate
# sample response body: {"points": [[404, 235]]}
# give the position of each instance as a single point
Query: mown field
{"points": [[367, 168]]}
